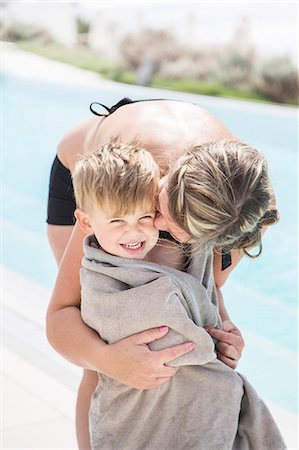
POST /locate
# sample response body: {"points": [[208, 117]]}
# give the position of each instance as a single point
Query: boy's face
{"points": [[129, 236]]}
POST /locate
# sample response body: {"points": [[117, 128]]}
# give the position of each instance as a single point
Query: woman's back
{"points": [[158, 125]]}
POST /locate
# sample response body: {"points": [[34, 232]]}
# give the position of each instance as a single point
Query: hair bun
{"points": [[270, 217]]}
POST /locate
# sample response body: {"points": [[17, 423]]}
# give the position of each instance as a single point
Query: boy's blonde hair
{"points": [[220, 192], [116, 176]]}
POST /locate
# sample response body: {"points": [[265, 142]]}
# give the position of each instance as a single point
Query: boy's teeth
{"points": [[137, 245]]}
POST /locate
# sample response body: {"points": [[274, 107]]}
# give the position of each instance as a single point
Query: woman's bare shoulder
{"points": [[73, 144]]}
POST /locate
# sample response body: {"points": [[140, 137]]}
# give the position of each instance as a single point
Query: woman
{"points": [[166, 129]]}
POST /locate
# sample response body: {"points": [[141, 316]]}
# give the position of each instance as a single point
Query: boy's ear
{"points": [[83, 221]]}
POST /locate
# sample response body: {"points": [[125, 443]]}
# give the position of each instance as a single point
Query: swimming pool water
{"points": [[261, 295]]}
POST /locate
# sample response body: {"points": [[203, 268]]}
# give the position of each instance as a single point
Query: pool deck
{"points": [[38, 386]]}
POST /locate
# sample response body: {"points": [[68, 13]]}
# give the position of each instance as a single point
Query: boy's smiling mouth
{"points": [[133, 246]]}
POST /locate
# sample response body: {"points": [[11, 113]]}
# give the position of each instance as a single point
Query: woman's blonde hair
{"points": [[118, 176], [220, 193]]}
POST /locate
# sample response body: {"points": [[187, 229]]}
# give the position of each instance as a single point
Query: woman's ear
{"points": [[83, 221]]}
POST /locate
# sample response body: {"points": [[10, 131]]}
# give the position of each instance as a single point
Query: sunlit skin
{"points": [[164, 221], [127, 235]]}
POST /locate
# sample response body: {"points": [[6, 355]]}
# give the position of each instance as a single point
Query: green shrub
{"points": [[22, 32], [158, 46], [77, 56], [232, 75], [205, 88], [82, 25], [192, 65], [235, 68], [277, 78]]}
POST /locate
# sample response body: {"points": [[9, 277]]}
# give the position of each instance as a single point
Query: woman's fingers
{"points": [[228, 350], [160, 373], [229, 334], [226, 336], [132, 363], [148, 336], [169, 354], [229, 362], [230, 343]]}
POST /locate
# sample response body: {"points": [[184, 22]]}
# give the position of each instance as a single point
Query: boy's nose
{"points": [[135, 229], [160, 223]]}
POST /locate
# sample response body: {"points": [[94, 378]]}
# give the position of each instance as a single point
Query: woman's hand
{"points": [[230, 343], [132, 363]]}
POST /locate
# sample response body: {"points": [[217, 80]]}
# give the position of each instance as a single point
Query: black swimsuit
{"points": [[61, 200]]}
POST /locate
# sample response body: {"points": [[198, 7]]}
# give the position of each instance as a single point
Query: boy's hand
{"points": [[230, 343]]}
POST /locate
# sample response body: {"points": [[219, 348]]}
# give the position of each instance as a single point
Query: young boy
{"points": [[115, 189], [202, 406]]}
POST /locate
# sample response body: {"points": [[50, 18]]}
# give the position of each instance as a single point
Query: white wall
{"points": [[58, 19], [272, 25]]}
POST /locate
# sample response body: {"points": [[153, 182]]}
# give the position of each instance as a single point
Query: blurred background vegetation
{"points": [[157, 58]]}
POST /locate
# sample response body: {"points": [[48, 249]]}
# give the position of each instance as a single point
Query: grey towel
{"points": [[206, 405]]}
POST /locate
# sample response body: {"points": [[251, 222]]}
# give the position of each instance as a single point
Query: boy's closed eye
{"points": [[148, 217], [116, 221]]}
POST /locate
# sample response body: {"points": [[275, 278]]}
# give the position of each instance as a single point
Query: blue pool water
{"points": [[261, 295]]}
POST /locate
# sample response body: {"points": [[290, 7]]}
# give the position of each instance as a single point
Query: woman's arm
{"points": [[129, 361], [66, 331], [230, 342], [220, 275]]}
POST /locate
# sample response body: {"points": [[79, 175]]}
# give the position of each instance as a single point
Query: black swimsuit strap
{"points": [[124, 101], [91, 107]]}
